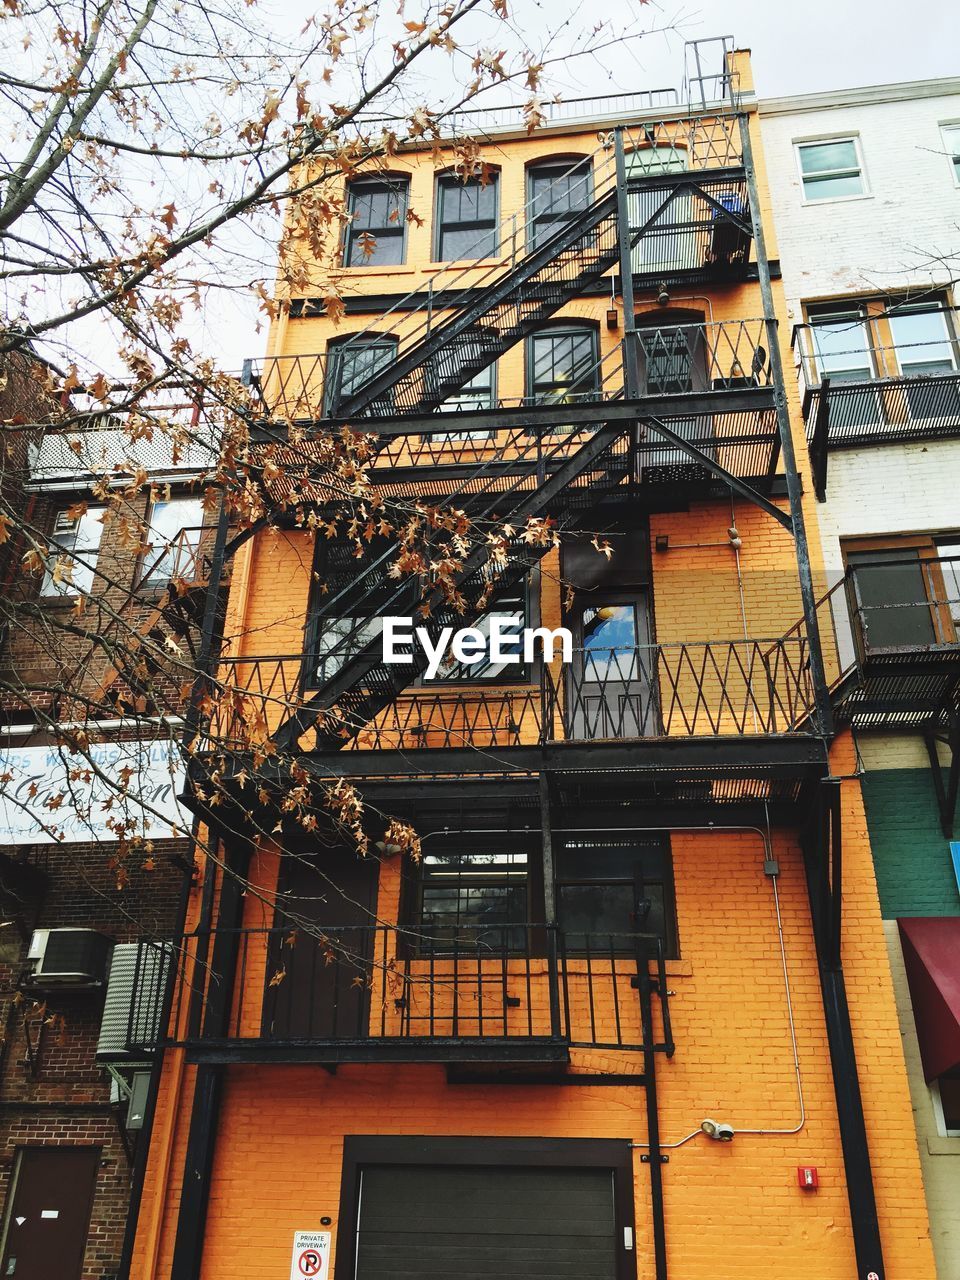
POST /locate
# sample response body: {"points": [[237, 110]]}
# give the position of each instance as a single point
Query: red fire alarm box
{"points": [[807, 1177]]}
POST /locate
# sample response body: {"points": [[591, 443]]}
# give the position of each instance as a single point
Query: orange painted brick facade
{"points": [[731, 1210]]}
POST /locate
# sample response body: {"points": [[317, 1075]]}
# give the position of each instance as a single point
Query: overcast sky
{"points": [[823, 44]]}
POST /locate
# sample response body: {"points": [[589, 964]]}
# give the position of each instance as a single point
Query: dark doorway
{"points": [[892, 598], [48, 1219], [673, 351], [324, 942]]}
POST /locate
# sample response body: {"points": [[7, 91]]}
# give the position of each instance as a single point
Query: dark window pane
{"points": [[468, 218], [557, 193], [375, 234], [474, 899], [890, 592], [563, 365], [602, 915]]}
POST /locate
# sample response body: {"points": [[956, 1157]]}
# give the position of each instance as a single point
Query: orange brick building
{"points": [[630, 1013]]}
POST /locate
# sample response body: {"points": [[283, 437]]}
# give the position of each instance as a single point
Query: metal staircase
{"points": [[496, 318], [345, 662]]}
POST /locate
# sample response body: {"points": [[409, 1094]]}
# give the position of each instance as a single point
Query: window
{"points": [[905, 592], [947, 1094], [563, 365], [352, 362], [466, 218], [74, 545], [924, 348], [333, 639], [612, 886], [511, 608], [557, 192], [843, 348], [951, 143], [475, 891], [173, 536], [378, 217], [830, 170]]}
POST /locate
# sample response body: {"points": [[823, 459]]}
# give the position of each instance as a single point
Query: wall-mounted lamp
{"points": [[663, 296], [613, 318], [662, 542], [719, 1132], [735, 540]]}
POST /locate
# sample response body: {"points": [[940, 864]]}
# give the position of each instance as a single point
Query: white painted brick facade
{"points": [[883, 242]]}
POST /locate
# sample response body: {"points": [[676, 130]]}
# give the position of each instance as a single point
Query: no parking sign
{"points": [[311, 1255]]}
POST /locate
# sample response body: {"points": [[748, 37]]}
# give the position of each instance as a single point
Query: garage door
{"points": [[420, 1222]]}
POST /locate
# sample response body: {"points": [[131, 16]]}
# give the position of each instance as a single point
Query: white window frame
{"points": [[83, 574], [942, 1129], [824, 140], [948, 127]]}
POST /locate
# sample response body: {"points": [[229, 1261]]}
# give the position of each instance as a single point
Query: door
{"points": [[612, 685], [324, 993], [672, 355], [508, 1222], [670, 243], [47, 1221]]}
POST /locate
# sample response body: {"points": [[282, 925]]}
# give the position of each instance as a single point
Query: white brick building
{"points": [[865, 185]]}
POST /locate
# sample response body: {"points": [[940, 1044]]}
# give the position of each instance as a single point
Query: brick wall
{"points": [[63, 1097], [911, 854]]}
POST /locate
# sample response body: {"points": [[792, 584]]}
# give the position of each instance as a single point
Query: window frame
{"points": [[69, 590], [331, 397], [939, 1112], [449, 180], [416, 879], [531, 396], [800, 144], [667, 881], [386, 183], [146, 574], [900, 547], [539, 230], [948, 127]]}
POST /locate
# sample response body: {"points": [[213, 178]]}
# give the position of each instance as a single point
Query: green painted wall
{"points": [[911, 854]]}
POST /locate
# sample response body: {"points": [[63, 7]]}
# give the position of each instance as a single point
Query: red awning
{"points": [[931, 954]]}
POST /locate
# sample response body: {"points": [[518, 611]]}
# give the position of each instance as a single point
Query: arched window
{"points": [[563, 364], [557, 190], [467, 214], [353, 361], [376, 233]]}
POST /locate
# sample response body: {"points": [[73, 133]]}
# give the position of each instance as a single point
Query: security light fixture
{"points": [[719, 1132]]}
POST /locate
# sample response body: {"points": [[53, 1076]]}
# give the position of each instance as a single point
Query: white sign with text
{"points": [[129, 788]]}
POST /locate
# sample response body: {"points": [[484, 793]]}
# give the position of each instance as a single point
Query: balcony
{"points": [[897, 622], [860, 388], [516, 993]]}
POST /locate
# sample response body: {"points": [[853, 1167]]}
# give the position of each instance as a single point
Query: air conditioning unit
{"points": [[130, 1027], [68, 960]]}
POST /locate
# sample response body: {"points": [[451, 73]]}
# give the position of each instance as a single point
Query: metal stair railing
{"points": [[707, 143]]}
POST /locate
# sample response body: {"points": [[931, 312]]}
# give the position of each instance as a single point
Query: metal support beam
{"points": [[794, 489], [739, 486], [210, 605], [819, 443], [198, 1166], [653, 1115], [946, 795], [824, 889]]}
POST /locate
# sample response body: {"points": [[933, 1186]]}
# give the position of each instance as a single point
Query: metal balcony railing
{"points": [[694, 151], [891, 630], [673, 360], [184, 559], [381, 988], [683, 690], [858, 390]]}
